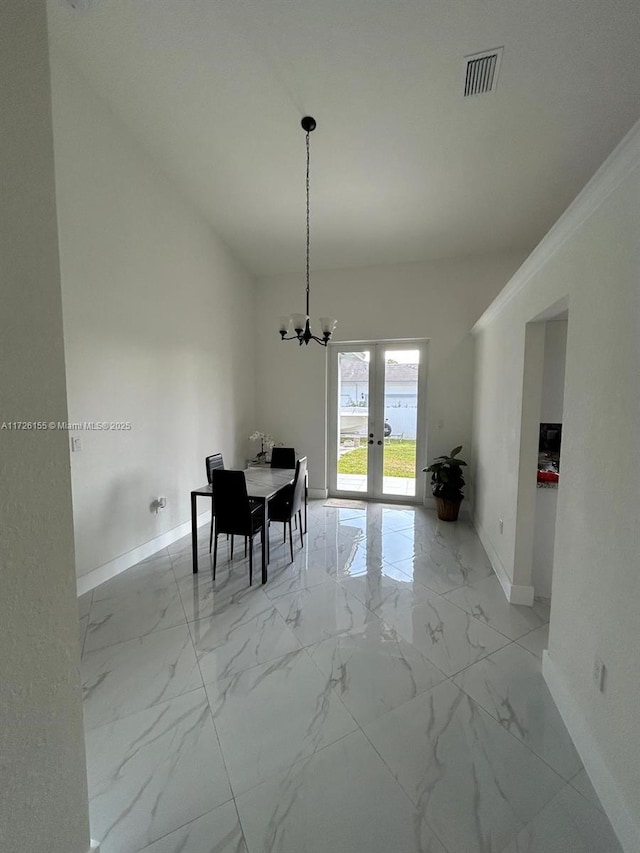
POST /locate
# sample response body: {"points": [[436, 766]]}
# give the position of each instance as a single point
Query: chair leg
{"points": [[291, 540], [232, 546], [250, 560], [215, 553], [211, 533], [284, 533], [301, 534], [245, 547]]}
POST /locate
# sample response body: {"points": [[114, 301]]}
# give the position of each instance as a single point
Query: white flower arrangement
{"points": [[267, 442]]}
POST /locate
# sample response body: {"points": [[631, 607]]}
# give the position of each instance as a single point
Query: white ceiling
{"points": [[403, 168]]}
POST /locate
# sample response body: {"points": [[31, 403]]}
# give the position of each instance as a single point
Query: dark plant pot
{"points": [[448, 510]]}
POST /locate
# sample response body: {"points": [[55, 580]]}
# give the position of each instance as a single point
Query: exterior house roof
{"points": [[358, 371]]}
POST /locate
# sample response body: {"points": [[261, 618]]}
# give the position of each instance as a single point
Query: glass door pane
{"points": [[354, 377], [376, 407], [401, 368]]}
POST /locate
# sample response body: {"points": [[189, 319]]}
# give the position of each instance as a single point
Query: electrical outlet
{"points": [[599, 671], [501, 524], [76, 445]]}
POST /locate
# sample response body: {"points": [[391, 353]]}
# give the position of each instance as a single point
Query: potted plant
{"points": [[447, 482]]}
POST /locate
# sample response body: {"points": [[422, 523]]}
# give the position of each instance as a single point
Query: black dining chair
{"points": [[212, 463], [283, 457], [288, 503], [235, 514]]}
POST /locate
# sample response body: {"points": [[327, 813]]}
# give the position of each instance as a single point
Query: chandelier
{"points": [[300, 322]]}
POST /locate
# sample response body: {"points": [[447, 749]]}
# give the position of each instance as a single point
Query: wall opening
{"points": [[549, 455]]}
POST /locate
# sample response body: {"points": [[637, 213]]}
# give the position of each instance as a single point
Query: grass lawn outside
{"points": [[399, 460]]}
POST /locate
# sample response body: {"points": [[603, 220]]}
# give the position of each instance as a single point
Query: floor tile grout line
{"points": [[597, 805], [141, 710], [211, 717], [486, 624], [301, 650], [284, 771], [239, 672], [547, 803], [407, 640], [493, 717], [182, 826], [414, 805], [222, 755], [131, 639]]}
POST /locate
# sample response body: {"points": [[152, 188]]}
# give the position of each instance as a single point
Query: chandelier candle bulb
{"points": [[299, 322], [327, 325], [285, 323]]}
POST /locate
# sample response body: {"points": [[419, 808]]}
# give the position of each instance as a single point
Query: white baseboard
{"points": [[622, 821], [109, 570], [318, 494], [514, 593], [95, 847]]}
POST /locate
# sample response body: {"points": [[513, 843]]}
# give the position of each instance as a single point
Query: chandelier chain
{"points": [[308, 228], [301, 326]]}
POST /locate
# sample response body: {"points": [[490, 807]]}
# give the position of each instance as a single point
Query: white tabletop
{"points": [[263, 483]]}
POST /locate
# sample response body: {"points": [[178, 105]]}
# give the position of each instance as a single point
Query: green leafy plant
{"points": [[446, 476]]}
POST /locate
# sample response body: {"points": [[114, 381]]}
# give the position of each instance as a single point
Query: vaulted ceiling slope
{"points": [[404, 168]]}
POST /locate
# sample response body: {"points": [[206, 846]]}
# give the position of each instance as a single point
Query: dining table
{"points": [[263, 484]]}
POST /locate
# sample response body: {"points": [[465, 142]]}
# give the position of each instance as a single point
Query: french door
{"points": [[377, 419]]}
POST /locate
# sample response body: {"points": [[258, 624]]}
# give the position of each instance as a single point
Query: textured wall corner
{"points": [[42, 762]]}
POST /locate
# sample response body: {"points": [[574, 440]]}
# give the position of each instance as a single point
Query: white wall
{"points": [[544, 541], [555, 357], [156, 314], [592, 259], [439, 301], [43, 783]]}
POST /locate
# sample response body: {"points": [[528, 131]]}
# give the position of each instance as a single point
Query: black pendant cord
{"points": [[303, 336], [308, 230], [307, 336]]}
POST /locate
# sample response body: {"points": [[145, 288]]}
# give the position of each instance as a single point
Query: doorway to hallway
{"points": [[549, 454]]}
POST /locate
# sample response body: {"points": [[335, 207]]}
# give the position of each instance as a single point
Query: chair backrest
{"points": [[213, 463], [233, 511], [283, 457], [299, 485]]}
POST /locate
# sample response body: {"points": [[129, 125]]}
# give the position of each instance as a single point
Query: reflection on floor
{"points": [[378, 695]]}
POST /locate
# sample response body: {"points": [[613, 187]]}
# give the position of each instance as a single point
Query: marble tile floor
{"points": [[378, 695]]}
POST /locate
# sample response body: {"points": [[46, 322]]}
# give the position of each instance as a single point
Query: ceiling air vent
{"points": [[481, 72]]}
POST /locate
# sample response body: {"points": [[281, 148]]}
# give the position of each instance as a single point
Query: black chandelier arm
{"points": [[305, 337]]}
